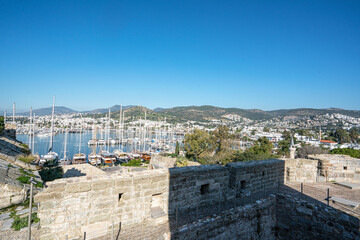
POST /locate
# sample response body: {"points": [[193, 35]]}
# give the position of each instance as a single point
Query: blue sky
{"points": [[246, 54]]}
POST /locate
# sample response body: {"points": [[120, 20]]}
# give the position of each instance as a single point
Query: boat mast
{"points": [[144, 132], [80, 135], [14, 113], [120, 125], [66, 131], [94, 139], [123, 126], [30, 118], [52, 125], [33, 141], [108, 139]]}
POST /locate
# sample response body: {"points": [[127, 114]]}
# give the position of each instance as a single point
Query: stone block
{"points": [[78, 187], [100, 185], [56, 187], [99, 218], [45, 196]]}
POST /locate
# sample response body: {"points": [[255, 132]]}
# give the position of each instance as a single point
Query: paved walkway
{"points": [[317, 192]]}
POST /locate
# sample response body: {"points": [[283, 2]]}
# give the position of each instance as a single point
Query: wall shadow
{"points": [[213, 192]]}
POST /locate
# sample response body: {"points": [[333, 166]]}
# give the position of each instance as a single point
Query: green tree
{"points": [[262, 146], [177, 148], [197, 144], [346, 151], [341, 136], [2, 124], [284, 145], [354, 134], [266, 129], [305, 150], [221, 139]]}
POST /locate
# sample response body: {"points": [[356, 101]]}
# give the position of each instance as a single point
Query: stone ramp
{"points": [[344, 201], [352, 186]]}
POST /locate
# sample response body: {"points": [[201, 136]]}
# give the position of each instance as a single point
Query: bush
{"points": [[181, 162], [24, 179], [2, 124], [27, 159], [346, 151], [306, 150], [20, 223], [51, 173], [133, 163]]}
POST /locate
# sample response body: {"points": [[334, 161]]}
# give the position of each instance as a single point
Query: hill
{"points": [[106, 110], [313, 112], [48, 111], [208, 113]]}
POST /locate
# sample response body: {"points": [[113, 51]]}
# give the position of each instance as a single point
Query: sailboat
{"points": [[106, 157], [94, 159], [80, 157], [51, 156], [65, 160]]}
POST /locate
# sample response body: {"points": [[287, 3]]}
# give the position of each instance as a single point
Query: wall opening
{"points": [[119, 197], [345, 167], [157, 206], [243, 184], [205, 189]]}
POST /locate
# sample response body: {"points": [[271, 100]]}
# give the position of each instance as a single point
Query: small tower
{"points": [[292, 148]]}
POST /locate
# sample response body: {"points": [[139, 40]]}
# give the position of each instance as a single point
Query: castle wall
{"points": [[339, 168], [301, 170], [92, 202], [249, 178], [88, 204], [192, 187], [298, 219], [252, 221]]}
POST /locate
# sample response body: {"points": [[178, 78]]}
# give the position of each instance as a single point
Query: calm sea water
{"points": [[73, 139]]}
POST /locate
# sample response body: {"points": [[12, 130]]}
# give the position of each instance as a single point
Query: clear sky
{"points": [[246, 54]]}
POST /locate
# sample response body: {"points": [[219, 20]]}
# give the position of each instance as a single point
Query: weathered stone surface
{"points": [[6, 224], [4, 216]]}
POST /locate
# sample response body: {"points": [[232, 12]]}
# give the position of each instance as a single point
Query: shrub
{"points": [[51, 173], [27, 159], [24, 179], [20, 223], [181, 162], [346, 151], [133, 163]]}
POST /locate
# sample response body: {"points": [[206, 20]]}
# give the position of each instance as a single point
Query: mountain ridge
{"points": [[203, 113]]}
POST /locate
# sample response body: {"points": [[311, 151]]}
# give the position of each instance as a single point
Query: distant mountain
{"points": [[208, 113], [106, 110], [48, 111], [204, 113], [313, 112], [159, 109]]}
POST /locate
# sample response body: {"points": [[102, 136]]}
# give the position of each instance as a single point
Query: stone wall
{"points": [[298, 219], [191, 187], [301, 170], [92, 201], [248, 178], [339, 168], [91, 204], [252, 221], [11, 194]]}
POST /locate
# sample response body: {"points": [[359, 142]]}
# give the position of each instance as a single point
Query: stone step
{"points": [[344, 201], [352, 186]]}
